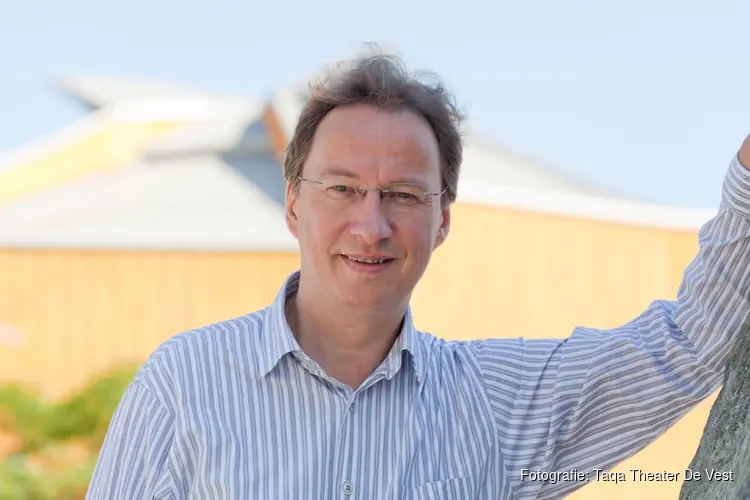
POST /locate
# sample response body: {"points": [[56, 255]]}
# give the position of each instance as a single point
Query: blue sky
{"points": [[647, 99]]}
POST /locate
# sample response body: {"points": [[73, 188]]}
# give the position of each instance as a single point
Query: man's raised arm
{"points": [[598, 397]]}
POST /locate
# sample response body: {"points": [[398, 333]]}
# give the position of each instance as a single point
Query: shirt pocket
{"points": [[457, 488]]}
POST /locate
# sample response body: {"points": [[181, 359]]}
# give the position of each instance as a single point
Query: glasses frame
{"points": [[363, 191]]}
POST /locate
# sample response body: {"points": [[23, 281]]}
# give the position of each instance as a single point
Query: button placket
{"points": [[347, 484]]}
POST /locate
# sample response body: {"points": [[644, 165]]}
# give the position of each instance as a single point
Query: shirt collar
{"points": [[277, 339]]}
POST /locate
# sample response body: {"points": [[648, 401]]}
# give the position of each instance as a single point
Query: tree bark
{"points": [[725, 445]]}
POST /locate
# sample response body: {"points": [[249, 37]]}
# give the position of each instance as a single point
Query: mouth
{"points": [[367, 265]]}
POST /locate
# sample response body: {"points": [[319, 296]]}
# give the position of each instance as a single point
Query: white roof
{"points": [[584, 206], [198, 203], [212, 123], [486, 163], [242, 133]]}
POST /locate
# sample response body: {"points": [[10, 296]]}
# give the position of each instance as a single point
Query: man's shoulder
{"points": [[201, 348], [442, 350], [478, 347], [220, 333]]}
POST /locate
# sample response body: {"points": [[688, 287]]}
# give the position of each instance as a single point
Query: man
{"points": [[331, 392]]}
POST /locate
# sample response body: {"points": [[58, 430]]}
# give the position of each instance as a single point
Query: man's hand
{"points": [[745, 153]]}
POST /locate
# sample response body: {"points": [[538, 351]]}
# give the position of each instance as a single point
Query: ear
{"points": [[744, 153], [445, 225], [290, 208]]}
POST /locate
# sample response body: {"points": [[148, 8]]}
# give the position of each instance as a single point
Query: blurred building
{"points": [[162, 210]]}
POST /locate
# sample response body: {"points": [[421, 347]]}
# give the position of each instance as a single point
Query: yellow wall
{"points": [[111, 145], [79, 312], [501, 273], [513, 273]]}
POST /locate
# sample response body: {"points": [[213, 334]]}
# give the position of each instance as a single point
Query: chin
{"points": [[370, 287], [367, 296]]}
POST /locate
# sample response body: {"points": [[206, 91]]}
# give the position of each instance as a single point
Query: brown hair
{"points": [[383, 81]]}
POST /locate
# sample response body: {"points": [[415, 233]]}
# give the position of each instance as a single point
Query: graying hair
{"points": [[383, 81]]}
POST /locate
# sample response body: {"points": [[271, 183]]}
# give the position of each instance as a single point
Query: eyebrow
{"points": [[338, 171], [409, 180]]}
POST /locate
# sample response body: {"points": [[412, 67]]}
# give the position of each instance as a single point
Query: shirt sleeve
{"points": [[596, 398], [132, 464]]}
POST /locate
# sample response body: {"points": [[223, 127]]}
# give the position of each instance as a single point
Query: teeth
{"points": [[367, 261]]}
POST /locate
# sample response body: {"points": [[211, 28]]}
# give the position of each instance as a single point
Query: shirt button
{"points": [[352, 407], [348, 488]]}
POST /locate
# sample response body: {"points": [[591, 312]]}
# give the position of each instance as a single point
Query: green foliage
{"points": [[24, 414], [18, 483], [57, 443], [88, 413]]}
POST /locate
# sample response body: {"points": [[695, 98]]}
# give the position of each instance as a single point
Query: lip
{"points": [[368, 269], [368, 256]]}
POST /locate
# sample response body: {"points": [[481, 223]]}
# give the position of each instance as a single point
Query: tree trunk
{"points": [[725, 445]]}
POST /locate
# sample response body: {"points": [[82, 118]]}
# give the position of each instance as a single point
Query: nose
{"points": [[369, 222]]}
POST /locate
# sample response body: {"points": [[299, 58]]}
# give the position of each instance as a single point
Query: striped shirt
{"points": [[236, 410]]}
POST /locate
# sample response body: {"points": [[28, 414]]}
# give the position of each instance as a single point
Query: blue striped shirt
{"points": [[236, 410]]}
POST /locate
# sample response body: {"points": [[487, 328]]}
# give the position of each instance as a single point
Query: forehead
{"points": [[370, 142]]}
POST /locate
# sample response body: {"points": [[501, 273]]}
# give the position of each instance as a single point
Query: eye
{"points": [[406, 196], [341, 190], [403, 197]]}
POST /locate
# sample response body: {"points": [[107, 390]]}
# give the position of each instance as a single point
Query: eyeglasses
{"points": [[399, 195]]}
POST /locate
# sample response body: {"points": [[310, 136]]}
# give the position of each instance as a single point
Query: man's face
{"points": [[363, 147]]}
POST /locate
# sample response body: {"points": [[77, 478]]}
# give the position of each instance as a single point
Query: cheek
{"points": [[320, 230], [419, 239]]}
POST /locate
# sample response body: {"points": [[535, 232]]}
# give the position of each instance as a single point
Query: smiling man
{"points": [[331, 392], [364, 249]]}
